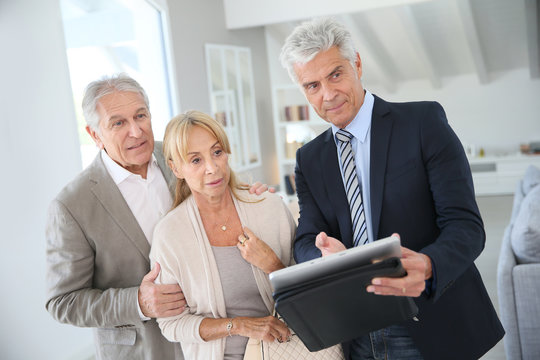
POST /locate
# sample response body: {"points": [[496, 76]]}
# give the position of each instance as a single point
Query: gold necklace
{"points": [[216, 223], [224, 226]]}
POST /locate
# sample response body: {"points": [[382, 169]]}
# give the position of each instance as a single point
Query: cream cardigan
{"points": [[181, 247]]}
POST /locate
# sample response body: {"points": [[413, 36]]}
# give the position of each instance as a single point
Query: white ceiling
{"points": [[438, 39]]}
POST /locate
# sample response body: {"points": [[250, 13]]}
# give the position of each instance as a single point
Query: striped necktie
{"points": [[354, 194]]}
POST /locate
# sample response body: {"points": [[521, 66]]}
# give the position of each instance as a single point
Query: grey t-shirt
{"points": [[242, 297]]}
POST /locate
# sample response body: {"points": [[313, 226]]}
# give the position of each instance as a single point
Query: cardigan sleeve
{"points": [[184, 327], [180, 328]]}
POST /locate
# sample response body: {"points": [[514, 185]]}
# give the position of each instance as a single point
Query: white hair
{"points": [[312, 37], [104, 86]]}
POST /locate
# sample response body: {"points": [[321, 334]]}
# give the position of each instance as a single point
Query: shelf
{"points": [[303, 125], [499, 175]]}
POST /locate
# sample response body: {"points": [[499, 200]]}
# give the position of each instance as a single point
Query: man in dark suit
{"points": [[386, 168]]}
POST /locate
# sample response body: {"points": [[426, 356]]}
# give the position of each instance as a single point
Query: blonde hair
{"points": [[175, 142]]}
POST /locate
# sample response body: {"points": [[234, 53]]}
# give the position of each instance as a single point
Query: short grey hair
{"points": [[312, 37], [104, 86]]}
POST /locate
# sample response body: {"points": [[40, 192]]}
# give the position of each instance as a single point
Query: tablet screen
{"points": [[291, 276]]}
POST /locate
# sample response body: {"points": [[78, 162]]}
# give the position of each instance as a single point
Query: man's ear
{"points": [[94, 135], [175, 171], [358, 65]]}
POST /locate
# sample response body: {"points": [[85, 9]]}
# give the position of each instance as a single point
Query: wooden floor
{"points": [[495, 211]]}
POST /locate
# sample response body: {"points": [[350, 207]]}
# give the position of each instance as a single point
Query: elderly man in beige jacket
{"points": [[99, 231]]}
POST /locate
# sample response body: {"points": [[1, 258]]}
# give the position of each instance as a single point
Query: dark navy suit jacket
{"points": [[421, 188]]}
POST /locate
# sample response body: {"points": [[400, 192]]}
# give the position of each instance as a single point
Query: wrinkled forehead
{"points": [[321, 66], [120, 103]]}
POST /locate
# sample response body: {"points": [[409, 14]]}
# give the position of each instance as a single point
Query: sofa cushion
{"points": [[530, 179], [525, 236], [518, 198]]}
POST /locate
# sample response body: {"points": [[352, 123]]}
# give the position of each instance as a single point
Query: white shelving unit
{"points": [[295, 123], [498, 175]]}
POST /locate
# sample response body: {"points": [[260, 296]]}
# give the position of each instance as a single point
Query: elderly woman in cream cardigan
{"points": [[219, 243]]}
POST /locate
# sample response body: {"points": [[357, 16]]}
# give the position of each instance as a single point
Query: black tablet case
{"points": [[337, 308]]}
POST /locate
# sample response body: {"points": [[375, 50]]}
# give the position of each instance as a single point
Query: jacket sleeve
{"points": [[462, 237], [71, 298], [311, 220]]}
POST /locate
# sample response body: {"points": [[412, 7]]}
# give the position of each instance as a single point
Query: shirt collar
{"points": [[119, 174], [361, 123]]}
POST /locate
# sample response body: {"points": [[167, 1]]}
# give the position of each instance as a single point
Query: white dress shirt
{"points": [[360, 127], [148, 199]]}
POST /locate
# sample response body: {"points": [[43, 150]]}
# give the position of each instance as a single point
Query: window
{"points": [[232, 98], [104, 37]]}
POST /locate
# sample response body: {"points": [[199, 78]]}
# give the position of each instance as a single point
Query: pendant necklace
{"points": [[224, 226]]}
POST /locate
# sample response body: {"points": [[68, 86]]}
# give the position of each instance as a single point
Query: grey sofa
{"points": [[518, 273]]}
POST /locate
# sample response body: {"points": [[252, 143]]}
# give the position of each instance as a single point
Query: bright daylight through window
{"points": [[110, 36]]}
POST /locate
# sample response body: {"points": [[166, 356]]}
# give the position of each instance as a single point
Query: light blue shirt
{"points": [[360, 127]]}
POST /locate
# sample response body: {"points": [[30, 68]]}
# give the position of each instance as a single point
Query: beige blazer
{"points": [[182, 248], [97, 255]]}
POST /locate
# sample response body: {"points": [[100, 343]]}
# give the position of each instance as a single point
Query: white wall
{"points": [[38, 141], [245, 13], [497, 116]]}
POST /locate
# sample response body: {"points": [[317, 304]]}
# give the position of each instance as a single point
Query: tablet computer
{"points": [[289, 277]]}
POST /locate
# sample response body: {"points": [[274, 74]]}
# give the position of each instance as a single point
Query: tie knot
{"points": [[344, 135]]}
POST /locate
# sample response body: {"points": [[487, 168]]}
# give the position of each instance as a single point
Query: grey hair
{"points": [[312, 37], [104, 86]]}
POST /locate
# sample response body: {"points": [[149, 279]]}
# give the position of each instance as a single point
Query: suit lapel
{"points": [[107, 192], [381, 128], [335, 190]]}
